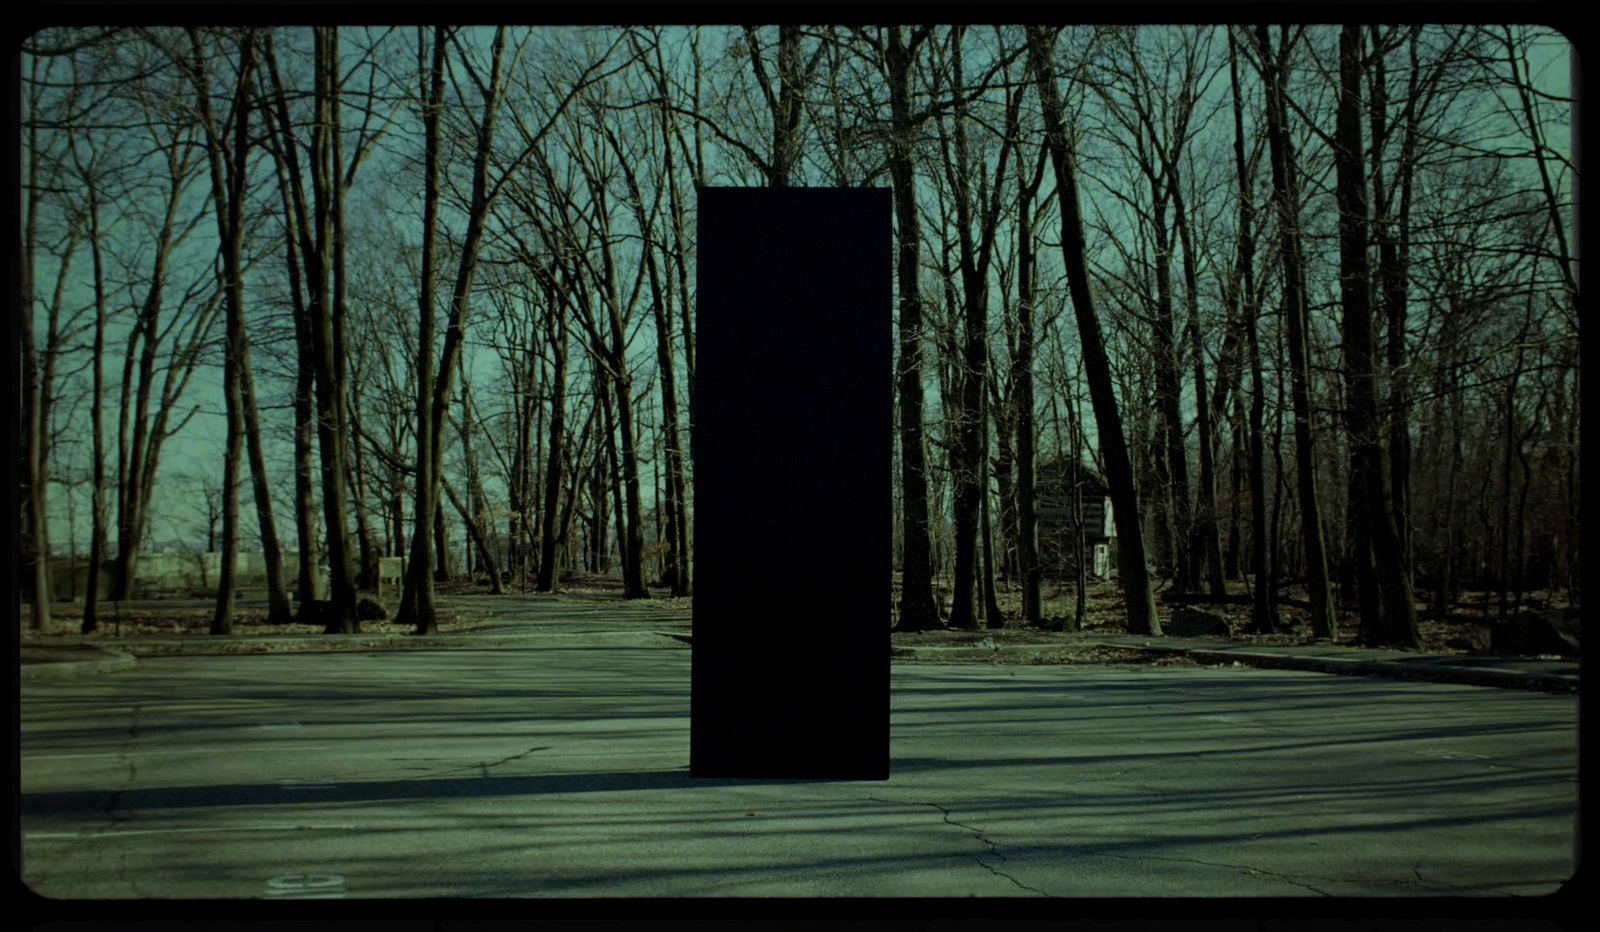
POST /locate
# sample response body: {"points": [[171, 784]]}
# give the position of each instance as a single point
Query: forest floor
{"points": [[466, 606], [1465, 631], [463, 606]]}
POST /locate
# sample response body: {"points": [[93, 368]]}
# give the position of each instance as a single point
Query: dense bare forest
{"points": [[1279, 315]]}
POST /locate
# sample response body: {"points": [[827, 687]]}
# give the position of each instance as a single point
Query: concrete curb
{"points": [[100, 660], [1033, 653], [1400, 670], [200, 645], [103, 659], [1420, 669]]}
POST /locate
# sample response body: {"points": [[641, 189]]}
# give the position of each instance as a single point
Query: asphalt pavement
{"points": [[559, 768]]}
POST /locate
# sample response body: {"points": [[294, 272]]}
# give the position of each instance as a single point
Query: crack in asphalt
{"points": [[483, 766], [994, 848], [1243, 867], [1416, 867], [127, 877], [114, 863], [519, 756], [129, 745]]}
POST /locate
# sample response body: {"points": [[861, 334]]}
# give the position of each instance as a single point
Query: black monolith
{"points": [[791, 440]]}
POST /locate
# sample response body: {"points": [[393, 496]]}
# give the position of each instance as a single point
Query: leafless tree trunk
{"points": [[317, 248], [476, 530], [360, 570], [1393, 236], [608, 353], [1080, 526], [613, 483], [1133, 572], [34, 425], [441, 544], [417, 599], [304, 495], [366, 536], [484, 193], [339, 617], [971, 436], [1274, 65], [474, 515], [1022, 378], [1204, 543], [549, 571], [227, 188], [787, 105], [1399, 618], [139, 455], [1449, 411], [1261, 613], [675, 573], [97, 538], [918, 611], [992, 618], [228, 170], [1512, 448]]}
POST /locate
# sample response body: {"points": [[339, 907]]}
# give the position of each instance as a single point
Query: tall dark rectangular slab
{"points": [[791, 441]]}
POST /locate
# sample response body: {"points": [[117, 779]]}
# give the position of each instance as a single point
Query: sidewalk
{"points": [[49, 657]]}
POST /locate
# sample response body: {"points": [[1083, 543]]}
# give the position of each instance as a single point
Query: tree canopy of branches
{"points": [[389, 268]]}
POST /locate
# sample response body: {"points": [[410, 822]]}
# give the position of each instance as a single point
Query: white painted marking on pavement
{"points": [[1450, 755], [306, 886]]}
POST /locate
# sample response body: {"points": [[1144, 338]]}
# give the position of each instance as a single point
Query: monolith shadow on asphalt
{"points": [[71, 802], [792, 443]]}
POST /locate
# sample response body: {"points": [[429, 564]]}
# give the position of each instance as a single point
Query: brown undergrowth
{"points": [[1464, 631]]}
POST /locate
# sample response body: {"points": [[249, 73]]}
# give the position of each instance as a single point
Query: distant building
{"points": [[1054, 483]]}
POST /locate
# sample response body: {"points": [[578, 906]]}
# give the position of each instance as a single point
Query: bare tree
{"points": [[553, 528], [918, 611], [970, 454], [1248, 299], [1022, 382], [676, 550], [228, 160], [1274, 66], [416, 601], [314, 228], [786, 105], [146, 418], [1133, 573], [416, 605], [1155, 129], [1398, 619], [1205, 547], [35, 387], [472, 516], [90, 175], [606, 340]]}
